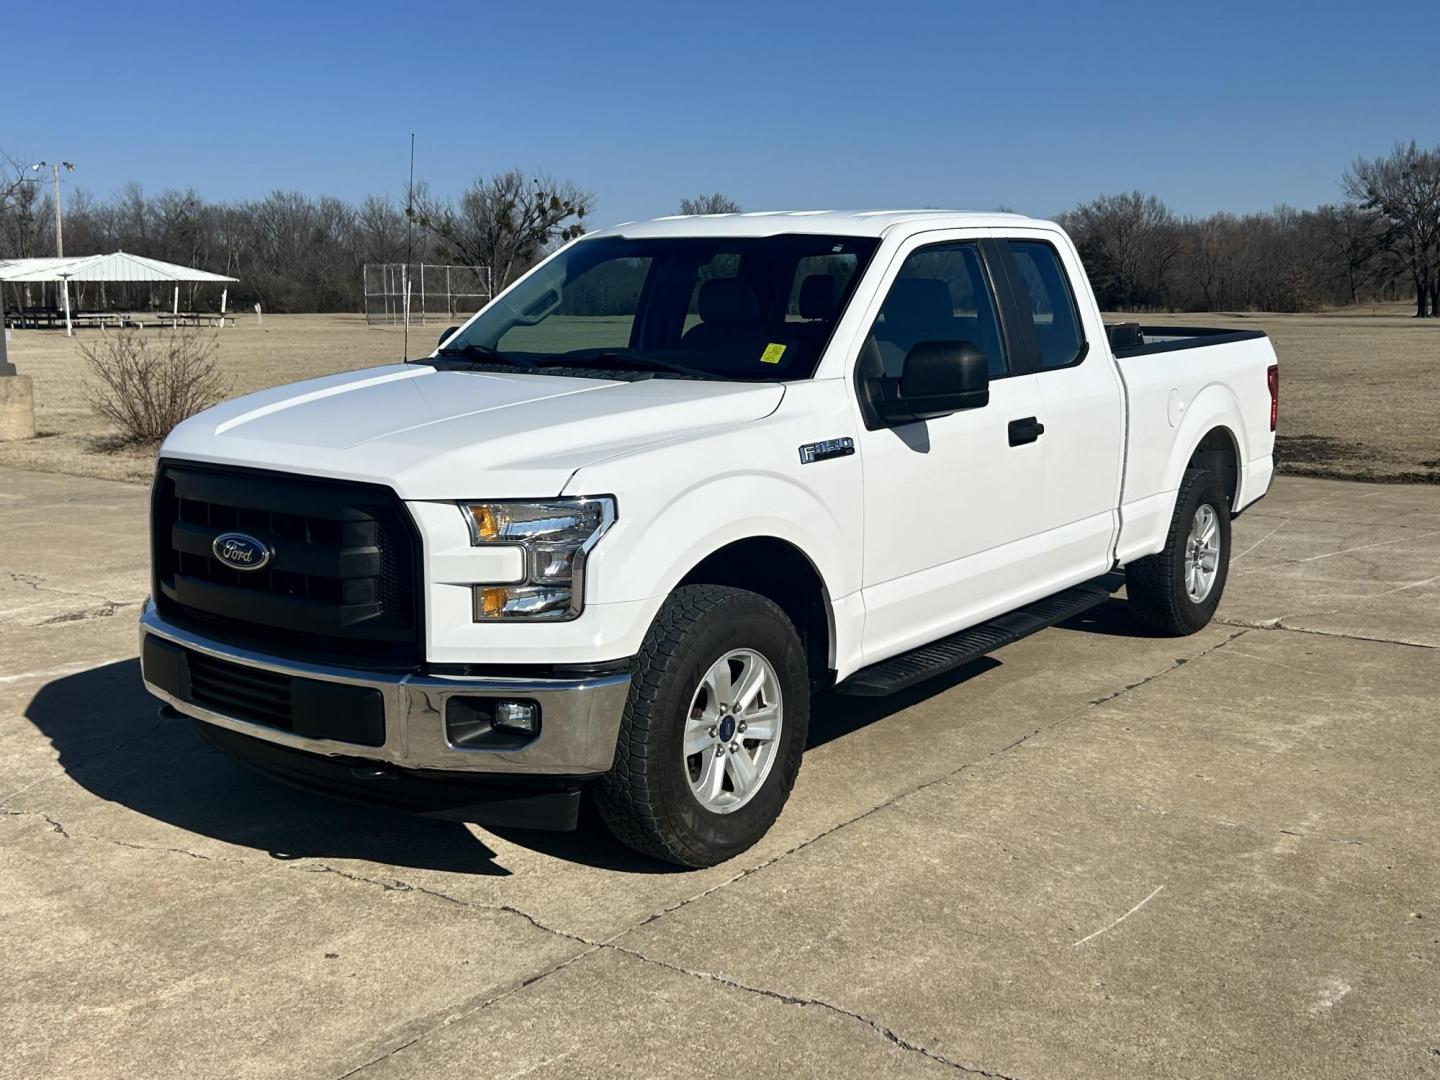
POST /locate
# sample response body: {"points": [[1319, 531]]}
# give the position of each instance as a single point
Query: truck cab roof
{"points": [[833, 222]]}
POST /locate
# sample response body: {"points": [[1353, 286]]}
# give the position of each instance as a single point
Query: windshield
{"points": [[743, 308]]}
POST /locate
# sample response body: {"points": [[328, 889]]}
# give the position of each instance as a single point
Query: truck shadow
{"points": [[1113, 618], [112, 742]]}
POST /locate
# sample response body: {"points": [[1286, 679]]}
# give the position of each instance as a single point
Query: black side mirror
{"points": [[447, 333], [938, 378]]}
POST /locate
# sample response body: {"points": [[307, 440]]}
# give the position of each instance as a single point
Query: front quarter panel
{"points": [[682, 501]]}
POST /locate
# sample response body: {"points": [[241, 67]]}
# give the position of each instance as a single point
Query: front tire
{"points": [[714, 728], [1177, 591]]}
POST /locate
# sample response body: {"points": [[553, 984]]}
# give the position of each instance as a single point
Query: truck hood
{"points": [[460, 434]]}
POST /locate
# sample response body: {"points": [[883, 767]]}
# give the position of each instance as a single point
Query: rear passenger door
{"points": [[1082, 402]]}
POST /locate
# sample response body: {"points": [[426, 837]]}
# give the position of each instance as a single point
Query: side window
{"points": [[1051, 303], [941, 294]]}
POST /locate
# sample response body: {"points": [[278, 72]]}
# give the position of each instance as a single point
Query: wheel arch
{"points": [[783, 573], [1219, 452]]}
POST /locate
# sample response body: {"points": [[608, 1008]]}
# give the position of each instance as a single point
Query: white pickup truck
{"points": [[622, 524]]}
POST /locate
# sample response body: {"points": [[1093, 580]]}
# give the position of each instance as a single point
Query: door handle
{"points": [[1025, 431]]}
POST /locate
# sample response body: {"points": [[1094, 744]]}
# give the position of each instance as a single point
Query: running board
{"points": [[904, 671]]}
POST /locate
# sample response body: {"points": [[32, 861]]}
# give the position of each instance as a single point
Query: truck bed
{"points": [[1132, 339]]}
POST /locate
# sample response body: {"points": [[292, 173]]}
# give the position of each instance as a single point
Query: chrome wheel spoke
{"points": [[698, 738], [752, 680], [717, 681], [711, 784], [743, 772], [760, 724]]}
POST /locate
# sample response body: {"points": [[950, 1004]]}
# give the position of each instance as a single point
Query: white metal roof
{"points": [[833, 222], [118, 266]]}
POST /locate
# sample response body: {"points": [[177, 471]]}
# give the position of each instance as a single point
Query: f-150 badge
{"points": [[829, 448]]}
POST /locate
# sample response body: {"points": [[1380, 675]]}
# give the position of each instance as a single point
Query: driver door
{"points": [[949, 503]]}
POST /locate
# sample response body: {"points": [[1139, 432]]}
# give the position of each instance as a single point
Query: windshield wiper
{"points": [[624, 359], [471, 351]]}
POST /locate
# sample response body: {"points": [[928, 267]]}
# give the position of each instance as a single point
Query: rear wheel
{"points": [[1178, 590], [714, 728]]}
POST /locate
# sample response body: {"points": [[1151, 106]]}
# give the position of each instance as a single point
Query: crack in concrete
{"points": [[55, 826], [1278, 623], [100, 611], [60, 828], [104, 608], [467, 1010], [1350, 841], [1180, 661], [887, 1033]]}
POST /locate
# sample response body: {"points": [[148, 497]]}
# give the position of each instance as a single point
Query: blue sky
{"points": [[842, 104]]}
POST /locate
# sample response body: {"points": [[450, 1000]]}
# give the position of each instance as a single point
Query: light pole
{"points": [[55, 175]]}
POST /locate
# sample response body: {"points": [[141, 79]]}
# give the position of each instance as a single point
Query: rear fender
{"points": [[1145, 516]]}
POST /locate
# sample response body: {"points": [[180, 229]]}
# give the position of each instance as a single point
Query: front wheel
{"points": [[1177, 591], [713, 731]]}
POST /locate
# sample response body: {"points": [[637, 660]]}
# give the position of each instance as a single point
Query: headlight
{"points": [[555, 536]]}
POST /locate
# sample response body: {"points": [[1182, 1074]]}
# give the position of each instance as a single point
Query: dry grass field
{"points": [[1360, 388]]}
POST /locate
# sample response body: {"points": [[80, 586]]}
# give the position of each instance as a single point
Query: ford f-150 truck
{"points": [[620, 526]]}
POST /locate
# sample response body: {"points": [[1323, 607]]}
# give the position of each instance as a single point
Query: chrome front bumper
{"points": [[579, 718]]}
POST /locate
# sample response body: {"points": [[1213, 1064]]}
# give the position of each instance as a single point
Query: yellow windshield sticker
{"points": [[772, 353]]}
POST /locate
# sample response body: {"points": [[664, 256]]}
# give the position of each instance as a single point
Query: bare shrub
{"points": [[147, 385]]}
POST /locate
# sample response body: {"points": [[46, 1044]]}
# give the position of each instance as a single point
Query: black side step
{"points": [[917, 665]]}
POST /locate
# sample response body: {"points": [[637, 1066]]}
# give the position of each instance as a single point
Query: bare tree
{"points": [[25, 211], [1128, 243], [1402, 191], [714, 203], [506, 221]]}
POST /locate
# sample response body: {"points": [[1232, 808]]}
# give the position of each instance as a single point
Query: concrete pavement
{"points": [[1095, 853]]}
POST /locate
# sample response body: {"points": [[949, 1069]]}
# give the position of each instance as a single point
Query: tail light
{"points": [[1272, 377]]}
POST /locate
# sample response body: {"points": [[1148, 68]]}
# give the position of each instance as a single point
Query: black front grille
{"points": [[342, 582], [246, 692]]}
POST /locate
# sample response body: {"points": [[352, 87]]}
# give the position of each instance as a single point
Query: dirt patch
{"points": [[1318, 455], [1317, 450]]}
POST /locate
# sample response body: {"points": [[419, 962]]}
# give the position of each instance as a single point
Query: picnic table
{"points": [[33, 317], [103, 319], [195, 318]]}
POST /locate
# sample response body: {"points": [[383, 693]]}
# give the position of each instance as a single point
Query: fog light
{"points": [[518, 716], [485, 723]]}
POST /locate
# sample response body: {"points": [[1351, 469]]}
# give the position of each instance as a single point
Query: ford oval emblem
{"points": [[240, 552]]}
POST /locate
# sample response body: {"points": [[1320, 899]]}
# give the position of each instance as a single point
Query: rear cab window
{"points": [[1046, 296]]}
